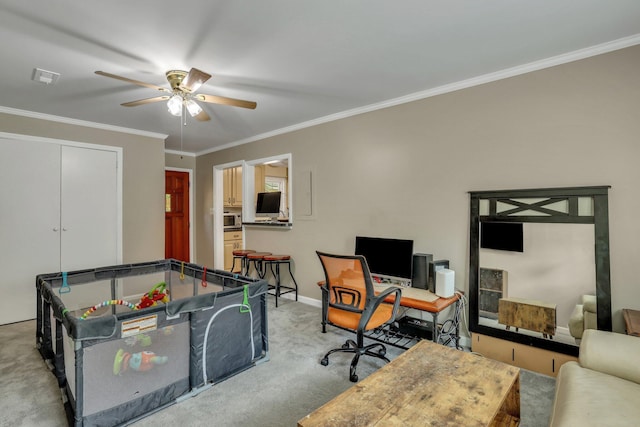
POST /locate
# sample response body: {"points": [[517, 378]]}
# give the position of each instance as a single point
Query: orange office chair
{"points": [[349, 302]]}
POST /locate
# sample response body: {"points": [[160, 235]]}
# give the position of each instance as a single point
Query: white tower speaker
{"points": [[445, 283]]}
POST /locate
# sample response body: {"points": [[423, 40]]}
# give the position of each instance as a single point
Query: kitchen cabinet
{"points": [[232, 242], [259, 179], [232, 187]]}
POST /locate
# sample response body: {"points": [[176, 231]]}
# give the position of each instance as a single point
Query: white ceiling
{"points": [[302, 61]]}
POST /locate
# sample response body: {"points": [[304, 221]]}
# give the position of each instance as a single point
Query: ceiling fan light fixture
{"points": [[174, 104], [193, 108]]}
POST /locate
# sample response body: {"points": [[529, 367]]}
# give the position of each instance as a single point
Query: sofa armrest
{"points": [[590, 303], [611, 353]]}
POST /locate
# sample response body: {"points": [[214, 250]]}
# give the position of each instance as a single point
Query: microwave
{"points": [[232, 220]]}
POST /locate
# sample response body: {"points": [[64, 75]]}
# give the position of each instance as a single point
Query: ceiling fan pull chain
{"points": [[181, 117]]}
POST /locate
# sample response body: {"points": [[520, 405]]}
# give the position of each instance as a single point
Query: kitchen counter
{"points": [[269, 224]]}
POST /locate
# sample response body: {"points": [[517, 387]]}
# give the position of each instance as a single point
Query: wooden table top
{"points": [[420, 299], [429, 384]]}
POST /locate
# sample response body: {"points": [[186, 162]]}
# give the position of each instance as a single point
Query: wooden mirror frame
{"points": [[542, 198]]}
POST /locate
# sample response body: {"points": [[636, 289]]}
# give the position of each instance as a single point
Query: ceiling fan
{"points": [[182, 93]]}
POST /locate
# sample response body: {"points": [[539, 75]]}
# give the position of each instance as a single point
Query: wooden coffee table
{"points": [[429, 384]]}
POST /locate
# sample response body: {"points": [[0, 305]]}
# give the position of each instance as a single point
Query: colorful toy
{"points": [[140, 362], [107, 303], [151, 298], [143, 340]]}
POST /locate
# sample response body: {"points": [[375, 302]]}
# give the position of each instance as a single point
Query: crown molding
{"points": [[452, 87], [76, 122]]}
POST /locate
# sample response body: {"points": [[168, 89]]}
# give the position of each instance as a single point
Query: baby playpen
{"points": [[128, 340]]}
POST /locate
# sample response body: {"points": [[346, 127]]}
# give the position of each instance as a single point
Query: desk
{"points": [[421, 300], [632, 321], [428, 385], [428, 302]]}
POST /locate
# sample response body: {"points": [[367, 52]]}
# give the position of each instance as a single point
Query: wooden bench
{"points": [[538, 316]]}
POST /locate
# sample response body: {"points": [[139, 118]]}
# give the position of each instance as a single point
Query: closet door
{"points": [[89, 209], [60, 208], [29, 223]]}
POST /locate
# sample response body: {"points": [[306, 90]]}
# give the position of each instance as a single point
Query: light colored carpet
{"points": [[276, 393]]}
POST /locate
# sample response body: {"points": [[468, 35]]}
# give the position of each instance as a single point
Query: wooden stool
{"points": [[241, 254], [275, 261], [257, 258]]}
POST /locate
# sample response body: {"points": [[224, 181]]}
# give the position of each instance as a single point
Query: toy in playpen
{"points": [[151, 298], [157, 293], [141, 361], [108, 303]]}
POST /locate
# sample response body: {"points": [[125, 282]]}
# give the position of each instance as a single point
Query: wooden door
{"points": [[176, 215]]}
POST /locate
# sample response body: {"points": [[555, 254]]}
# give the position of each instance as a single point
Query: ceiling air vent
{"points": [[44, 76]]}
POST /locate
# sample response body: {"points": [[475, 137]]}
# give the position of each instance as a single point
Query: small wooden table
{"points": [[529, 314], [428, 385], [632, 321]]}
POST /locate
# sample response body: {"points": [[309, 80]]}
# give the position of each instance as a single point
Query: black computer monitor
{"points": [[268, 204], [386, 257]]}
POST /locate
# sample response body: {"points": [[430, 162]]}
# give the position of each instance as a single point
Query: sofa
{"points": [[603, 387], [583, 317]]}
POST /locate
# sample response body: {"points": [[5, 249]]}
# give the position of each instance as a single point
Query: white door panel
{"points": [[29, 223], [59, 212], [89, 209]]}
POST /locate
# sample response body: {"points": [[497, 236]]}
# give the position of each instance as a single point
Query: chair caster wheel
{"points": [[345, 346], [353, 378], [382, 352], [324, 361]]}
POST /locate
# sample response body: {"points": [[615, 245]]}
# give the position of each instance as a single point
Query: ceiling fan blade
{"points": [[202, 116], [194, 80], [135, 82], [226, 101], [145, 101]]}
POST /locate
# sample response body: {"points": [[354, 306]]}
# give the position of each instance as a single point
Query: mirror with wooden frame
{"points": [[534, 255]]}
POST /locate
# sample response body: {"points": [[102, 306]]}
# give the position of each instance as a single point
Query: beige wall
{"points": [[143, 179], [179, 161], [405, 171]]}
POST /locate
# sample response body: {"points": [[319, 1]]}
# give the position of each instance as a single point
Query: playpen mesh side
{"points": [[229, 337], [150, 369]]}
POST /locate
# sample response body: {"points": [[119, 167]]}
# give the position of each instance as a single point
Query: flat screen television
{"points": [[386, 257], [503, 236], [268, 204]]}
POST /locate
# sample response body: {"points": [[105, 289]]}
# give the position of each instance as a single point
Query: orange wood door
{"points": [[176, 231]]}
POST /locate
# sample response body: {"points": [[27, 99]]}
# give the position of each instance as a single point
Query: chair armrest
{"points": [[611, 353], [388, 291], [379, 299]]}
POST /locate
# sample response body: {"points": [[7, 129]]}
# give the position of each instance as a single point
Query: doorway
{"points": [[177, 208]]}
